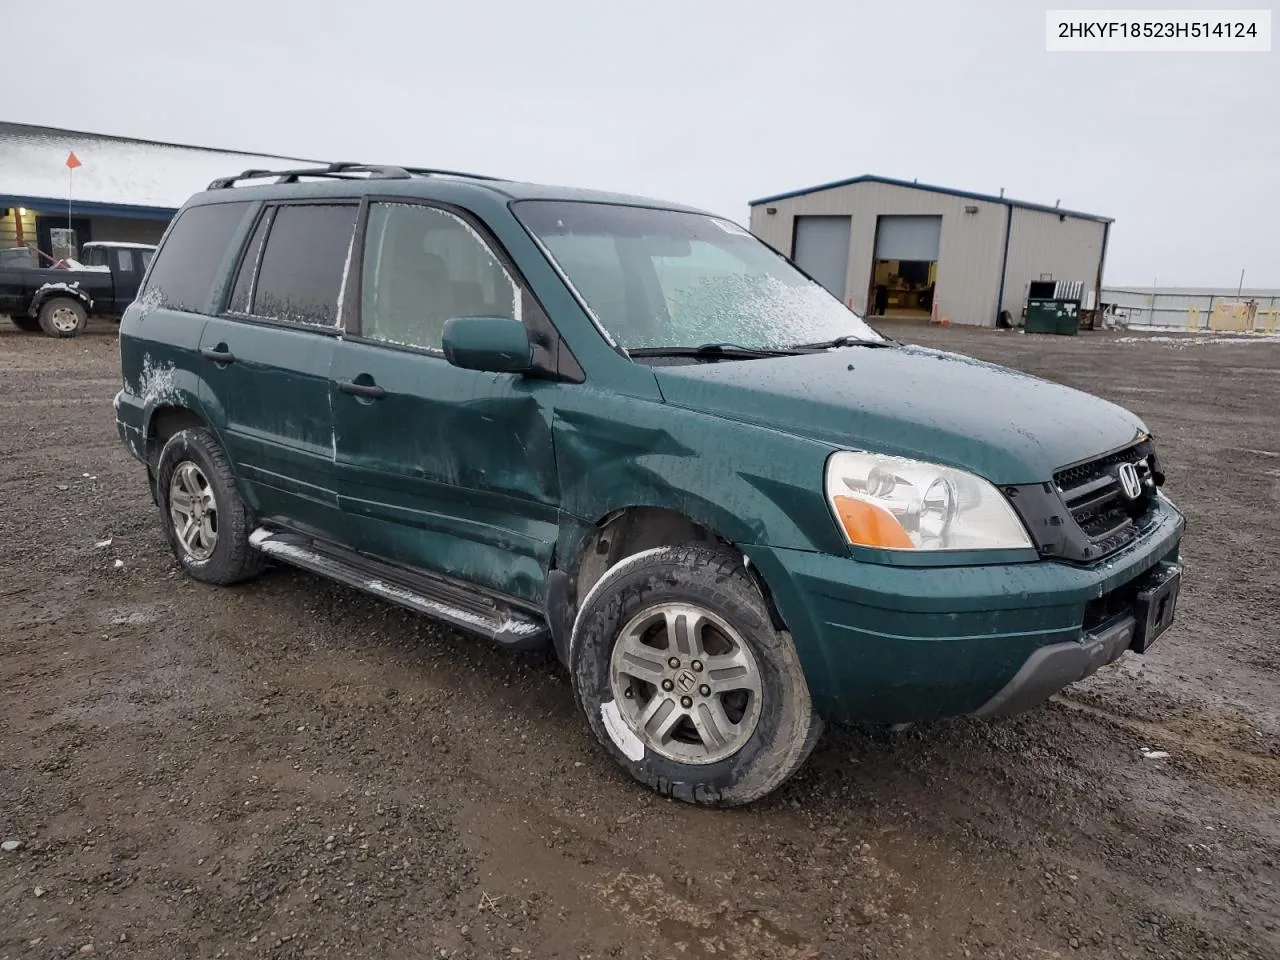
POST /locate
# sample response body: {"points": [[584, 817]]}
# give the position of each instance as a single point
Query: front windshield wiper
{"points": [[847, 340], [715, 351]]}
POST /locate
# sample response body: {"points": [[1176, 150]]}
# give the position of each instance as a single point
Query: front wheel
{"points": [[685, 680]]}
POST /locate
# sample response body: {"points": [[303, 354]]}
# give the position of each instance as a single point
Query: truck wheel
{"points": [[63, 317], [685, 680], [205, 520], [26, 324]]}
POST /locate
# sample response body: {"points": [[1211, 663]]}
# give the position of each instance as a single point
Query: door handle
{"points": [[371, 390], [218, 355]]}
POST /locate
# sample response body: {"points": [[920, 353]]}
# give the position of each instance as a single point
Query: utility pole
{"points": [[1240, 288]]}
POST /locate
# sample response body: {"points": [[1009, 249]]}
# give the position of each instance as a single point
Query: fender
{"points": [[615, 451], [48, 291]]}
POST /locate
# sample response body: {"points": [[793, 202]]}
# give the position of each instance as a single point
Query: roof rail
{"points": [[342, 171], [429, 172], [339, 171]]}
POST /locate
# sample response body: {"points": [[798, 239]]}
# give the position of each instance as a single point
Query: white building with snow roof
{"points": [[123, 189]]}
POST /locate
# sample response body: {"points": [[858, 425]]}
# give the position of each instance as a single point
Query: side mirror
{"points": [[491, 344]]}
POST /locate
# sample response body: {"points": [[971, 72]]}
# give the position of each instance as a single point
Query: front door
{"points": [[441, 468], [267, 360]]}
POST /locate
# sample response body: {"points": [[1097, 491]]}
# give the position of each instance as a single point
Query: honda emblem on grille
{"points": [[1130, 482]]}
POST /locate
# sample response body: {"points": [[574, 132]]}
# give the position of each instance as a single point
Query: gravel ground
{"points": [[292, 769]]}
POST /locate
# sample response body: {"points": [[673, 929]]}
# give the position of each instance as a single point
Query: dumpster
{"points": [[1053, 316]]}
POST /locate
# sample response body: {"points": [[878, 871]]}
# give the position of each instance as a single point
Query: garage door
{"points": [[908, 238], [822, 250]]}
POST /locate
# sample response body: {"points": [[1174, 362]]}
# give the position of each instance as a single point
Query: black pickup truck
{"points": [[59, 299]]}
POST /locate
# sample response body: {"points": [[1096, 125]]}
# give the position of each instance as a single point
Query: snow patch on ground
{"points": [[1193, 340]]}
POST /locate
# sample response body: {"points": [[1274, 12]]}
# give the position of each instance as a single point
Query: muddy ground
{"points": [[291, 769]]}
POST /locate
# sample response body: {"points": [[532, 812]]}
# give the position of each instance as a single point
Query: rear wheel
{"points": [[63, 317], [205, 520], [686, 682]]}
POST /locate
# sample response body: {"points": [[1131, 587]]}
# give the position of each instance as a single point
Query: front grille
{"points": [[1094, 494]]}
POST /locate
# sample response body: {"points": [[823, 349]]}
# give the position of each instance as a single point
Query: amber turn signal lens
{"points": [[869, 525]]}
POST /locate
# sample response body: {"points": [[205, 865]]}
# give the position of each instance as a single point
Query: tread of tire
{"points": [[244, 561]]}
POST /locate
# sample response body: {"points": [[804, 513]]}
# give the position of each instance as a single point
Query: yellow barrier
{"points": [[1272, 315], [1193, 318], [1232, 317]]}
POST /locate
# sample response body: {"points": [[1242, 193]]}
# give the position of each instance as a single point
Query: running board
{"points": [[462, 606]]}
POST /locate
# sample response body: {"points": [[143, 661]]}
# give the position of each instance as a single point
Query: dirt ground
{"points": [[292, 769]]}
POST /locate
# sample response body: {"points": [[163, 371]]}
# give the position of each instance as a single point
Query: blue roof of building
{"points": [[911, 184]]}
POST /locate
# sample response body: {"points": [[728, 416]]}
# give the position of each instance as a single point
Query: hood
{"points": [[1006, 426]]}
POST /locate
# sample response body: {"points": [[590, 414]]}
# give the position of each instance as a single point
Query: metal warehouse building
{"points": [[897, 248]]}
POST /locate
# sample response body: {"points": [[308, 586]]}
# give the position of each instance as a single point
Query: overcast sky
{"points": [[701, 101]]}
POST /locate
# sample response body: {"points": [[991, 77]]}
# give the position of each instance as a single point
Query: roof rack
{"points": [[342, 171]]}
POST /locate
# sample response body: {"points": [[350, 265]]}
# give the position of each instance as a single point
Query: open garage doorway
{"points": [[904, 271]]}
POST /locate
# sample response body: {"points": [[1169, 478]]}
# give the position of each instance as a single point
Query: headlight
{"points": [[898, 504]]}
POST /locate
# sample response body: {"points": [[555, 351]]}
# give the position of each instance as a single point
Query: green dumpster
{"points": [[1053, 316]]}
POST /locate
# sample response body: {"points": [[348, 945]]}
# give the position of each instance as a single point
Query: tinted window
{"points": [[423, 266], [146, 258], [94, 257], [243, 291], [303, 263], [191, 255]]}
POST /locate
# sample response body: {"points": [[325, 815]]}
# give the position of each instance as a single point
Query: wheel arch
{"points": [[164, 421], [58, 291], [616, 535]]}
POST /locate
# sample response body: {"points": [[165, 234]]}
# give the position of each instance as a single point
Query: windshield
{"points": [[663, 278]]}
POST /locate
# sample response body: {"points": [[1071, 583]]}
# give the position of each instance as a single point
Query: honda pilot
{"points": [[633, 433]]}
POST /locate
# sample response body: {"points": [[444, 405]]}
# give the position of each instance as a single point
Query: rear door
{"points": [[446, 469], [267, 358]]}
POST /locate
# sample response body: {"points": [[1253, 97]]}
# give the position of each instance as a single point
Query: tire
{"points": [[26, 324], [624, 651], [193, 470], [63, 317]]}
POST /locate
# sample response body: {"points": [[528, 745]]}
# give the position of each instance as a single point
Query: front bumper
{"points": [[896, 644]]}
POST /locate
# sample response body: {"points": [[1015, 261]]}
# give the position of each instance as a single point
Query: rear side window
{"points": [[187, 263], [94, 257], [303, 263]]}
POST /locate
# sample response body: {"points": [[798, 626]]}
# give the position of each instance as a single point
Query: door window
{"points": [[423, 266], [304, 262], [124, 260]]}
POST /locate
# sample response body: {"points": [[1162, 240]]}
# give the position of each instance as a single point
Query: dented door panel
{"points": [[451, 470]]}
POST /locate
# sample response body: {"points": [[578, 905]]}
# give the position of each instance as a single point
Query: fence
{"points": [[1174, 309]]}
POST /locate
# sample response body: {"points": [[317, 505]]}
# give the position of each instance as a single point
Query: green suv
{"points": [[632, 432]]}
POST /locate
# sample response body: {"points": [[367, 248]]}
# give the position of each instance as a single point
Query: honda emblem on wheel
{"points": [[1129, 480]]}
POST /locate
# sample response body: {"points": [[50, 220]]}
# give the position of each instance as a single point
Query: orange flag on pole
{"points": [[72, 161]]}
